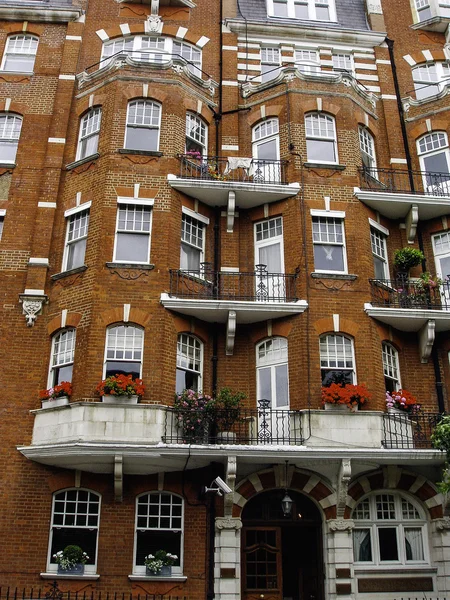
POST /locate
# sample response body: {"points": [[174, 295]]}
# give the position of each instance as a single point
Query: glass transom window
{"points": [[269, 229], [389, 529], [337, 361]]}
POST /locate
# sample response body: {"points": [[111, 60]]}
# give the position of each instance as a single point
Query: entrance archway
{"points": [[282, 557]]}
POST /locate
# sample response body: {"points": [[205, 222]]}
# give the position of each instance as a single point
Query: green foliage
{"points": [[228, 408], [441, 441], [406, 258]]}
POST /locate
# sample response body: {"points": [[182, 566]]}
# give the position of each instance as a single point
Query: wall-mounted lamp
{"points": [[286, 503]]}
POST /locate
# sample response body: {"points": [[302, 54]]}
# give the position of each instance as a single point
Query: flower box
{"points": [[335, 407], [75, 570], [165, 571], [116, 399], [54, 402]]}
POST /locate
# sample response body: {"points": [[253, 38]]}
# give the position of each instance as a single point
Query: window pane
{"points": [[281, 379], [267, 150], [123, 368], [149, 542], [142, 138], [361, 545], [265, 384], [132, 246], [437, 163], [186, 380], [76, 253], [320, 151], [328, 258], [413, 543], [387, 538], [189, 258]]}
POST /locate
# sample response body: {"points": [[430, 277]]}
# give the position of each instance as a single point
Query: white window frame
{"points": [[146, 102], [10, 51], [367, 149], [321, 118], [307, 65], [155, 49], [391, 364], [432, 144], [176, 570], [198, 133], [181, 358], [201, 223], [270, 66], [134, 348], [331, 215], [399, 523], [88, 569], [338, 58], [71, 214], [89, 133], [278, 345], [424, 85], [329, 357], [54, 368], [2, 221], [312, 6], [263, 132], [12, 122], [421, 7], [382, 233], [130, 203]]}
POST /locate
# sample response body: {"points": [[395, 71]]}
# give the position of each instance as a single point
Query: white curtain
{"points": [[413, 543], [361, 545]]}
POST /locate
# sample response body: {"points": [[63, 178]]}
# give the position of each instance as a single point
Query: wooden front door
{"points": [[262, 576]]}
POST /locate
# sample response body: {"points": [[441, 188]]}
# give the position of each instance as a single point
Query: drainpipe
{"points": [[211, 539], [434, 353]]}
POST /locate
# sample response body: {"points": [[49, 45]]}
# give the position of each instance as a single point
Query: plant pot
{"points": [[336, 407], [54, 402], [397, 411], [114, 399], [75, 570], [226, 437], [165, 571]]}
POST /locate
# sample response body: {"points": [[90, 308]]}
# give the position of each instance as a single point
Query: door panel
{"points": [[262, 573]]}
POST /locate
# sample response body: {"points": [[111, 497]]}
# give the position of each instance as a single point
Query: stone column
{"points": [[339, 560], [440, 553], [227, 559]]}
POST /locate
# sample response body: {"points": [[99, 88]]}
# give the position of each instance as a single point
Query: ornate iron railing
{"points": [[405, 430], [243, 426], [251, 170], [402, 293], [52, 592], [258, 286], [404, 181]]}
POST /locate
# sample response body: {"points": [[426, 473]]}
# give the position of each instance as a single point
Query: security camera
{"points": [[223, 487]]}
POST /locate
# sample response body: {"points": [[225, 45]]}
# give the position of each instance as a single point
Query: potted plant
{"points": [[345, 396], [160, 563], [117, 389], [228, 412], [407, 258], [56, 396], [194, 413], [71, 560], [401, 401]]}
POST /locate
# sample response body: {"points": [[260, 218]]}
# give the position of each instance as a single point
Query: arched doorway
{"points": [[282, 557]]}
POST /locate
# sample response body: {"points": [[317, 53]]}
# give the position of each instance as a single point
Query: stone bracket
{"points": [[230, 211], [412, 218], [231, 333], [345, 474], [231, 481], [426, 339], [340, 525], [118, 477], [32, 306]]}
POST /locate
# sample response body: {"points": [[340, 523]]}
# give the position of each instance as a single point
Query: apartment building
{"points": [[209, 195]]}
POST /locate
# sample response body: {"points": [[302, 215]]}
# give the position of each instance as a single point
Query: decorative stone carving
{"points": [[32, 306], [442, 524], [129, 274], [228, 523], [231, 482], [154, 24], [341, 525], [345, 474]]}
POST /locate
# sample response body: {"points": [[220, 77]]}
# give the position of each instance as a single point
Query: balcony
{"points": [[149, 438], [232, 182], [230, 297], [411, 306], [405, 194]]}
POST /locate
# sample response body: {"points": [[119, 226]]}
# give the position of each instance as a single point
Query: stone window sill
{"points": [[82, 161], [85, 576], [140, 152], [5, 165], [318, 165], [27, 73], [317, 275], [179, 578], [68, 273], [118, 265]]}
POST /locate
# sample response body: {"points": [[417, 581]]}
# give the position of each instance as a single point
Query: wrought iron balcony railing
{"points": [[404, 430], [400, 293], [259, 286], [243, 426], [404, 181], [250, 170]]}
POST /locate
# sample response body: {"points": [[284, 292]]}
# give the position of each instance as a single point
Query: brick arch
{"points": [[422, 129], [13, 107], [139, 29], [191, 106], [372, 128], [279, 329], [300, 480], [396, 479], [327, 107], [84, 104], [269, 112], [135, 92], [17, 28], [72, 320], [418, 57], [115, 315], [346, 326], [386, 334]]}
